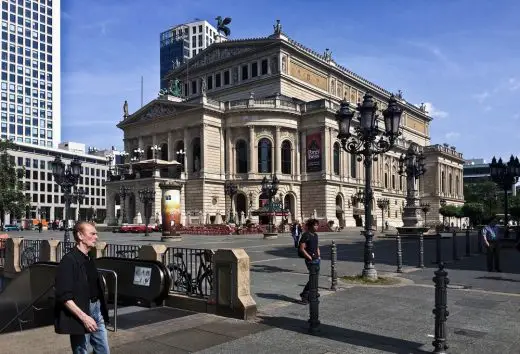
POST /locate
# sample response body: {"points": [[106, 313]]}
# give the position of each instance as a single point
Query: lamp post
{"points": [[270, 188], [138, 154], [505, 175], [411, 165], [77, 198], [368, 141], [383, 204], [230, 189], [443, 204], [180, 158], [66, 177], [123, 193], [425, 207], [147, 196]]}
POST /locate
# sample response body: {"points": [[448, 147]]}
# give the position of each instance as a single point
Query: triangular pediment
{"points": [[156, 109], [223, 51]]}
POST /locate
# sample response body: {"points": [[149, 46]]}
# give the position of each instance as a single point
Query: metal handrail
{"points": [[114, 274]]}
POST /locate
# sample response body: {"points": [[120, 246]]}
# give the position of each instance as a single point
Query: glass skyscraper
{"points": [[30, 75]]}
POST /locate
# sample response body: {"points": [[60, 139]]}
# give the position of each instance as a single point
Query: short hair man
{"points": [[490, 234], [80, 308], [309, 249]]}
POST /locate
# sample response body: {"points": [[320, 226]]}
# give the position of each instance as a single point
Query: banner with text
{"points": [[314, 152]]}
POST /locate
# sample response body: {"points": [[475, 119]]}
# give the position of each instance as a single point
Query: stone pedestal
{"points": [[12, 257], [49, 251], [99, 251], [152, 252]]}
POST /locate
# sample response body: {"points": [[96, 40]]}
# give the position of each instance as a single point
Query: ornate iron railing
{"points": [[63, 249], [29, 252], [122, 251], [191, 270]]}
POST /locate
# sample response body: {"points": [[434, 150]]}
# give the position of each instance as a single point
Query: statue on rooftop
{"points": [[277, 27]]}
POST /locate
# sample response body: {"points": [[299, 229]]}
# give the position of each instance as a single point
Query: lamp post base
{"points": [[369, 273], [270, 235], [171, 238]]}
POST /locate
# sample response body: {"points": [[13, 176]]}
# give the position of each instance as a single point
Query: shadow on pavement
{"points": [[350, 336], [269, 269], [499, 278], [278, 297]]}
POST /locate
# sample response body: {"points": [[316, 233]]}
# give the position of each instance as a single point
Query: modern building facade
{"points": [[256, 107], [476, 170], [30, 72], [47, 201], [182, 42]]}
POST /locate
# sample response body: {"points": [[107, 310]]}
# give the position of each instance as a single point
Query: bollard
{"points": [[441, 309], [333, 271], [421, 251], [399, 255], [479, 241], [455, 249], [468, 246], [314, 302]]}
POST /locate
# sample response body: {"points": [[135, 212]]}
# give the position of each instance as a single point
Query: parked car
{"points": [[11, 228]]}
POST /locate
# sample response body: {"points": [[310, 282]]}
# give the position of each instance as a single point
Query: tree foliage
{"points": [[12, 194], [474, 212]]}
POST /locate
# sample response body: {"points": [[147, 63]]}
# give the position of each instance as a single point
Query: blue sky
{"points": [[461, 57]]}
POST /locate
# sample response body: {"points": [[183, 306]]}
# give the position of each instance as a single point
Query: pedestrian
{"points": [[80, 308], [40, 227], [296, 231], [490, 234], [309, 250]]}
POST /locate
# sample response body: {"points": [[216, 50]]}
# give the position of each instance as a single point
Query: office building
{"points": [[476, 170], [30, 72], [183, 42]]}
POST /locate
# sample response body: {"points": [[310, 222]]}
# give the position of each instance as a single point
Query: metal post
{"points": [[455, 249], [479, 241], [441, 309], [369, 271], [468, 246], [314, 302], [66, 235], [399, 255], [421, 251], [333, 271]]}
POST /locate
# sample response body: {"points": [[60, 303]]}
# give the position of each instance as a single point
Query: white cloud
{"points": [[434, 112], [452, 135], [514, 84], [481, 97]]}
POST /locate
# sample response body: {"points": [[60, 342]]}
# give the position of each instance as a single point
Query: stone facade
{"points": [[251, 109]]}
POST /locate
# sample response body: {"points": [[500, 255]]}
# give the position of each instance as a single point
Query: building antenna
{"points": [[141, 90]]}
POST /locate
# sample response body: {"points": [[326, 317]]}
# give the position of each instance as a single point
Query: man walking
{"points": [[296, 231], [492, 243], [309, 249], [80, 308]]}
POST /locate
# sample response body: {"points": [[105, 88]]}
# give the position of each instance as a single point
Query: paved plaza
{"points": [[484, 307]]}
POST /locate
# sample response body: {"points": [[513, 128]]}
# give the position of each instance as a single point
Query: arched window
{"points": [[442, 183], [457, 185], [180, 153], [393, 181], [286, 157], [336, 158], [149, 153], [196, 155], [264, 156], [386, 179], [353, 166], [241, 156], [450, 184], [164, 152], [400, 183]]}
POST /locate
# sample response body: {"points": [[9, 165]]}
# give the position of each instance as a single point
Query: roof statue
{"points": [[277, 27], [174, 89], [328, 54], [125, 109], [222, 25]]}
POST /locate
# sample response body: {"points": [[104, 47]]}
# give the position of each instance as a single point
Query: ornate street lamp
{"points": [[77, 198], [66, 177], [180, 158], [411, 165], [156, 149], [505, 175], [383, 204], [138, 154], [147, 197], [368, 141], [230, 189], [123, 193], [425, 207], [270, 188]]}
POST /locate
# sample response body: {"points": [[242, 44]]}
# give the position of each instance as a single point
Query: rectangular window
{"points": [[226, 77], [194, 87], [210, 82], [264, 67], [254, 69], [245, 72], [217, 80]]}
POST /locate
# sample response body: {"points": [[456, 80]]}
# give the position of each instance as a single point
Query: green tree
{"points": [[12, 195], [486, 193], [474, 212]]}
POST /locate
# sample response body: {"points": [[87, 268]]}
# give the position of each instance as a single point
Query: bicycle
{"points": [[183, 279]]}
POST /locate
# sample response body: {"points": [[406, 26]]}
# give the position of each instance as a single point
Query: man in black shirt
{"points": [[310, 250], [80, 308]]}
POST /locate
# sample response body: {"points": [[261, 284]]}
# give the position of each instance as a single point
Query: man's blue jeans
{"points": [[95, 341], [305, 292]]}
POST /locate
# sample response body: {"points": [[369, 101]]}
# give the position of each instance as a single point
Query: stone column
{"points": [[325, 168], [189, 153], [252, 164], [278, 152], [12, 257], [99, 251], [141, 143], [152, 252], [171, 153], [222, 153], [296, 167], [303, 154], [110, 203], [229, 156], [202, 149]]}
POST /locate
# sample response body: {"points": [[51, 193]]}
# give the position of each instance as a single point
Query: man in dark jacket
{"points": [[309, 249], [80, 308]]}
